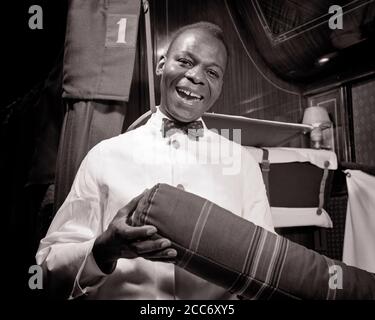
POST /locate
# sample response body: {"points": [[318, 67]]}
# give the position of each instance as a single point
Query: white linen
{"points": [[284, 155], [299, 217], [359, 238]]}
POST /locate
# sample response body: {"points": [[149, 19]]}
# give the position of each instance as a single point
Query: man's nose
{"points": [[195, 75]]}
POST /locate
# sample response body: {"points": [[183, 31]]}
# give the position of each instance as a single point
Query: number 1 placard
{"points": [[121, 30]]}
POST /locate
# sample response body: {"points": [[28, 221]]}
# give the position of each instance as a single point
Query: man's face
{"points": [[192, 75]]}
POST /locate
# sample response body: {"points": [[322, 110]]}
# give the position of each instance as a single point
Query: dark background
{"points": [[29, 55], [28, 115]]}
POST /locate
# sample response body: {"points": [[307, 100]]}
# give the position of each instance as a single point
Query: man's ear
{"points": [[160, 65]]}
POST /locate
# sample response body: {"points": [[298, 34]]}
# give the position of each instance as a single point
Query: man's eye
{"points": [[185, 62], [213, 73]]}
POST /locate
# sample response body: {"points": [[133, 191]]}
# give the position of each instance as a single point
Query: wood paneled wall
{"points": [[363, 107]]}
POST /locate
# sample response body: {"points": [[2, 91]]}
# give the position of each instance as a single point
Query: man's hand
{"points": [[123, 241]]}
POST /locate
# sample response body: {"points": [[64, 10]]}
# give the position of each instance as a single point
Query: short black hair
{"points": [[213, 29]]}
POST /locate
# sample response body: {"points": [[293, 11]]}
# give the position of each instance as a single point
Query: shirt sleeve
{"points": [[256, 207], [65, 253]]}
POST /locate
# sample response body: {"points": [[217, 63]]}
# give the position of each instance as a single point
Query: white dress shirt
{"points": [[120, 168]]}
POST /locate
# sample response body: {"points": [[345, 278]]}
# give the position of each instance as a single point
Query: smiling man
{"points": [[90, 250], [192, 73]]}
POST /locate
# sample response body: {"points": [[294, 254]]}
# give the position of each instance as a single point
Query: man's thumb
{"points": [[131, 206]]}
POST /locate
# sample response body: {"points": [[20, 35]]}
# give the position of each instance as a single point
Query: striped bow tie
{"points": [[194, 129]]}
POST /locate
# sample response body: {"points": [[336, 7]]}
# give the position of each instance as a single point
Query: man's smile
{"points": [[188, 95]]}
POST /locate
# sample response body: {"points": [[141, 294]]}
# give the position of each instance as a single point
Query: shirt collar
{"points": [[157, 119]]}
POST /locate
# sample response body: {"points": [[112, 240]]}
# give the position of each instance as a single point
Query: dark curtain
{"points": [[43, 141], [30, 129], [86, 123]]}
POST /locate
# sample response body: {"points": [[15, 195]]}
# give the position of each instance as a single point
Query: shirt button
{"points": [[180, 186], [175, 144]]}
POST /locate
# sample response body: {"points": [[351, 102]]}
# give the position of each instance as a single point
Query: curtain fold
{"points": [[359, 238], [99, 60], [86, 123]]}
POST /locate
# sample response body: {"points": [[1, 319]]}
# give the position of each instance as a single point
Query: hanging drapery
{"points": [[100, 48], [86, 123], [359, 236]]}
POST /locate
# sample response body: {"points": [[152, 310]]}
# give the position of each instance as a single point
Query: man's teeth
{"points": [[189, 93]]}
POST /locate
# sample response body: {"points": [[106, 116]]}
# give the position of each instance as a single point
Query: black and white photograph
{"points": [[160, 151]]}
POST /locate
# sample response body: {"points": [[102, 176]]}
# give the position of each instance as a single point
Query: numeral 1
{"points": [[121, 31]]}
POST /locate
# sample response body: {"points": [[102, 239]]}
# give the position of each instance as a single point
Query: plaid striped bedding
{"points": [[242, 257]]}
